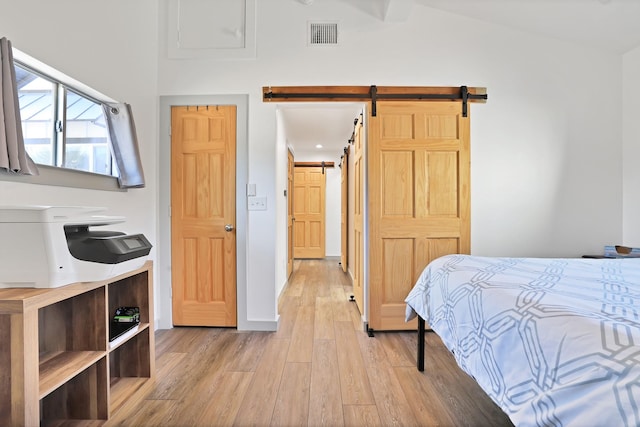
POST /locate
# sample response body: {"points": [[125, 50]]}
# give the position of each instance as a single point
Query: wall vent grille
{"points": [[323, 33]]}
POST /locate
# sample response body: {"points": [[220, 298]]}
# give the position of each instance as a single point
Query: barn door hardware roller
{"points": [[464, 96], [375, 93]]}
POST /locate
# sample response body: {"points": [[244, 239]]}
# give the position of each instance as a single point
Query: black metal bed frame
{"points": [[421, 334]]}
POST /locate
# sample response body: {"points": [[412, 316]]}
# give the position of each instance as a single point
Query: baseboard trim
{"points": [[259, 325]]}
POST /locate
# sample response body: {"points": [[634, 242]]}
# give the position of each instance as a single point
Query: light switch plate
{"points": [[257, 203]]}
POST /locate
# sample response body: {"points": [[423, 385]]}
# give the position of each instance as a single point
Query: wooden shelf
{"points": [[141, 327], [72, 423], [58, 369]]}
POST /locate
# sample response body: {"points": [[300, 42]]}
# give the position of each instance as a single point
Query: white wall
{"points": [[111, 48], [631, 158], [546, 147], [282, 182]]}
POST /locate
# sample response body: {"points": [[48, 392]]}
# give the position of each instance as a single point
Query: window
{"points": [[61, 126]]}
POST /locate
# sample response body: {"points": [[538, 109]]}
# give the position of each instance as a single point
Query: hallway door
{"points": [[309, 212], [203, 213]]}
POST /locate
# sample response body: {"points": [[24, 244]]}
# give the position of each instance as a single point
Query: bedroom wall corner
{"points": [[281, 205], [631, 148]]}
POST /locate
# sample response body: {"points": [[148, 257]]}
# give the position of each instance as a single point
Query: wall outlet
{"points": [[257, 203]]}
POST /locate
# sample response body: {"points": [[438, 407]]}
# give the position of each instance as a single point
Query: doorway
{"points": [[300, 128], [414, 141]]}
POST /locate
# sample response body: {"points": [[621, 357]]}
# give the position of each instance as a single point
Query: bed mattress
{"points": [[554, 342]]}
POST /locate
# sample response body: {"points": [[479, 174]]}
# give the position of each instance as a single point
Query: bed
{"points": [[554, 342]]}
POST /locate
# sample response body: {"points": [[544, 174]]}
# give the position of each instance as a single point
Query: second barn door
{"points": [[418, 180]]}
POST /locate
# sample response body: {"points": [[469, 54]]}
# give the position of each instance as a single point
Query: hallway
{"points": [[319, 368]]}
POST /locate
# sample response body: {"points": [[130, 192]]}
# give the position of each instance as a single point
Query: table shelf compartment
{"points": [[82, 397]]}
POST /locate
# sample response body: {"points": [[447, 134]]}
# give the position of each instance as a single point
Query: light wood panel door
{"points": [[290, 213], [309, 211], [358, 216], [344, 209], [419, 207], [203, 243]]}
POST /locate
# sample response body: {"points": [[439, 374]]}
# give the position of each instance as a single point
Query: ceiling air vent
{"points": [[323, 33]]}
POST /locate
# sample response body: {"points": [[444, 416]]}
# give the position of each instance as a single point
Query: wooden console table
{"points": [[56, 362]]}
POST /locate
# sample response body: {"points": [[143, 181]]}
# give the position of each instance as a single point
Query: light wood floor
{"points": [[319, 368]]}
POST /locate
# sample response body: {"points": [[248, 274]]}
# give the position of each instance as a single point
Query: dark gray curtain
{"points": [[124, 144], [13, 156]]}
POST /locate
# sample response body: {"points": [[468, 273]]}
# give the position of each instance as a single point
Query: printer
{"points": [[52, 246]]}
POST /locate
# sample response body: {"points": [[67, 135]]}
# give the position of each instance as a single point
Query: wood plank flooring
{"points": [[319, 369]]}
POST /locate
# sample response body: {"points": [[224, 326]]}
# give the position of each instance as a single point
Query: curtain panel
{"points": [[13, 156], [124, 144]]}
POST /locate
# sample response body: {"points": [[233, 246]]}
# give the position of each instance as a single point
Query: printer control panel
{"points": [[106, 247]]}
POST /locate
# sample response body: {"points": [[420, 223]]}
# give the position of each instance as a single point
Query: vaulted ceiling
{"points": [[611, 25], [606, 24]]}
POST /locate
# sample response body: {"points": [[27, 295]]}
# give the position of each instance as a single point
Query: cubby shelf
{"points": [[63, 366], [59, 368]]}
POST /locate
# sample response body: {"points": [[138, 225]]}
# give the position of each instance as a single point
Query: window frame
{"points": [[58, 175], [60, 97]]}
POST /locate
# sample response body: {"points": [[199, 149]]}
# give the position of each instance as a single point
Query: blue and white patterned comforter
{"points": [[554, 342]]}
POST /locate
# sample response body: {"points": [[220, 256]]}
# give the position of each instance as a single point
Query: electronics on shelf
{"points": [[52, 246]]}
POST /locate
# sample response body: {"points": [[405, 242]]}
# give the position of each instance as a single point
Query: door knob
{"points": [[228, 227]]}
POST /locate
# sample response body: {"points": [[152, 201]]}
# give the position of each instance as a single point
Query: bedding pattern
{"points": [[553, 341]]}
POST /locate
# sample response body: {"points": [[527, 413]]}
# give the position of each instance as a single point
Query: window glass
{"points": [[36, 97], [77, 139], [86, 136]]}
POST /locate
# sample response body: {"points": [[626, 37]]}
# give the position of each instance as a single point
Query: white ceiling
{"points": [[612, 25], [329, 124], [608, 24]]}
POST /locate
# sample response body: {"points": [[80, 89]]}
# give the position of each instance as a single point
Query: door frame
{"points": [[290, 214], [163, 247]]}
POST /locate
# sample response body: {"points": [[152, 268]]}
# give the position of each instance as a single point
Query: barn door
{"points": [[358, 216], [203, 243], [290, 214], [344, 209], [418, 180]]}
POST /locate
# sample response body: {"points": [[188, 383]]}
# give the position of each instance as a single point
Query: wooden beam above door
{"points": [[374, 93], [361, 93], [315, 164]]}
